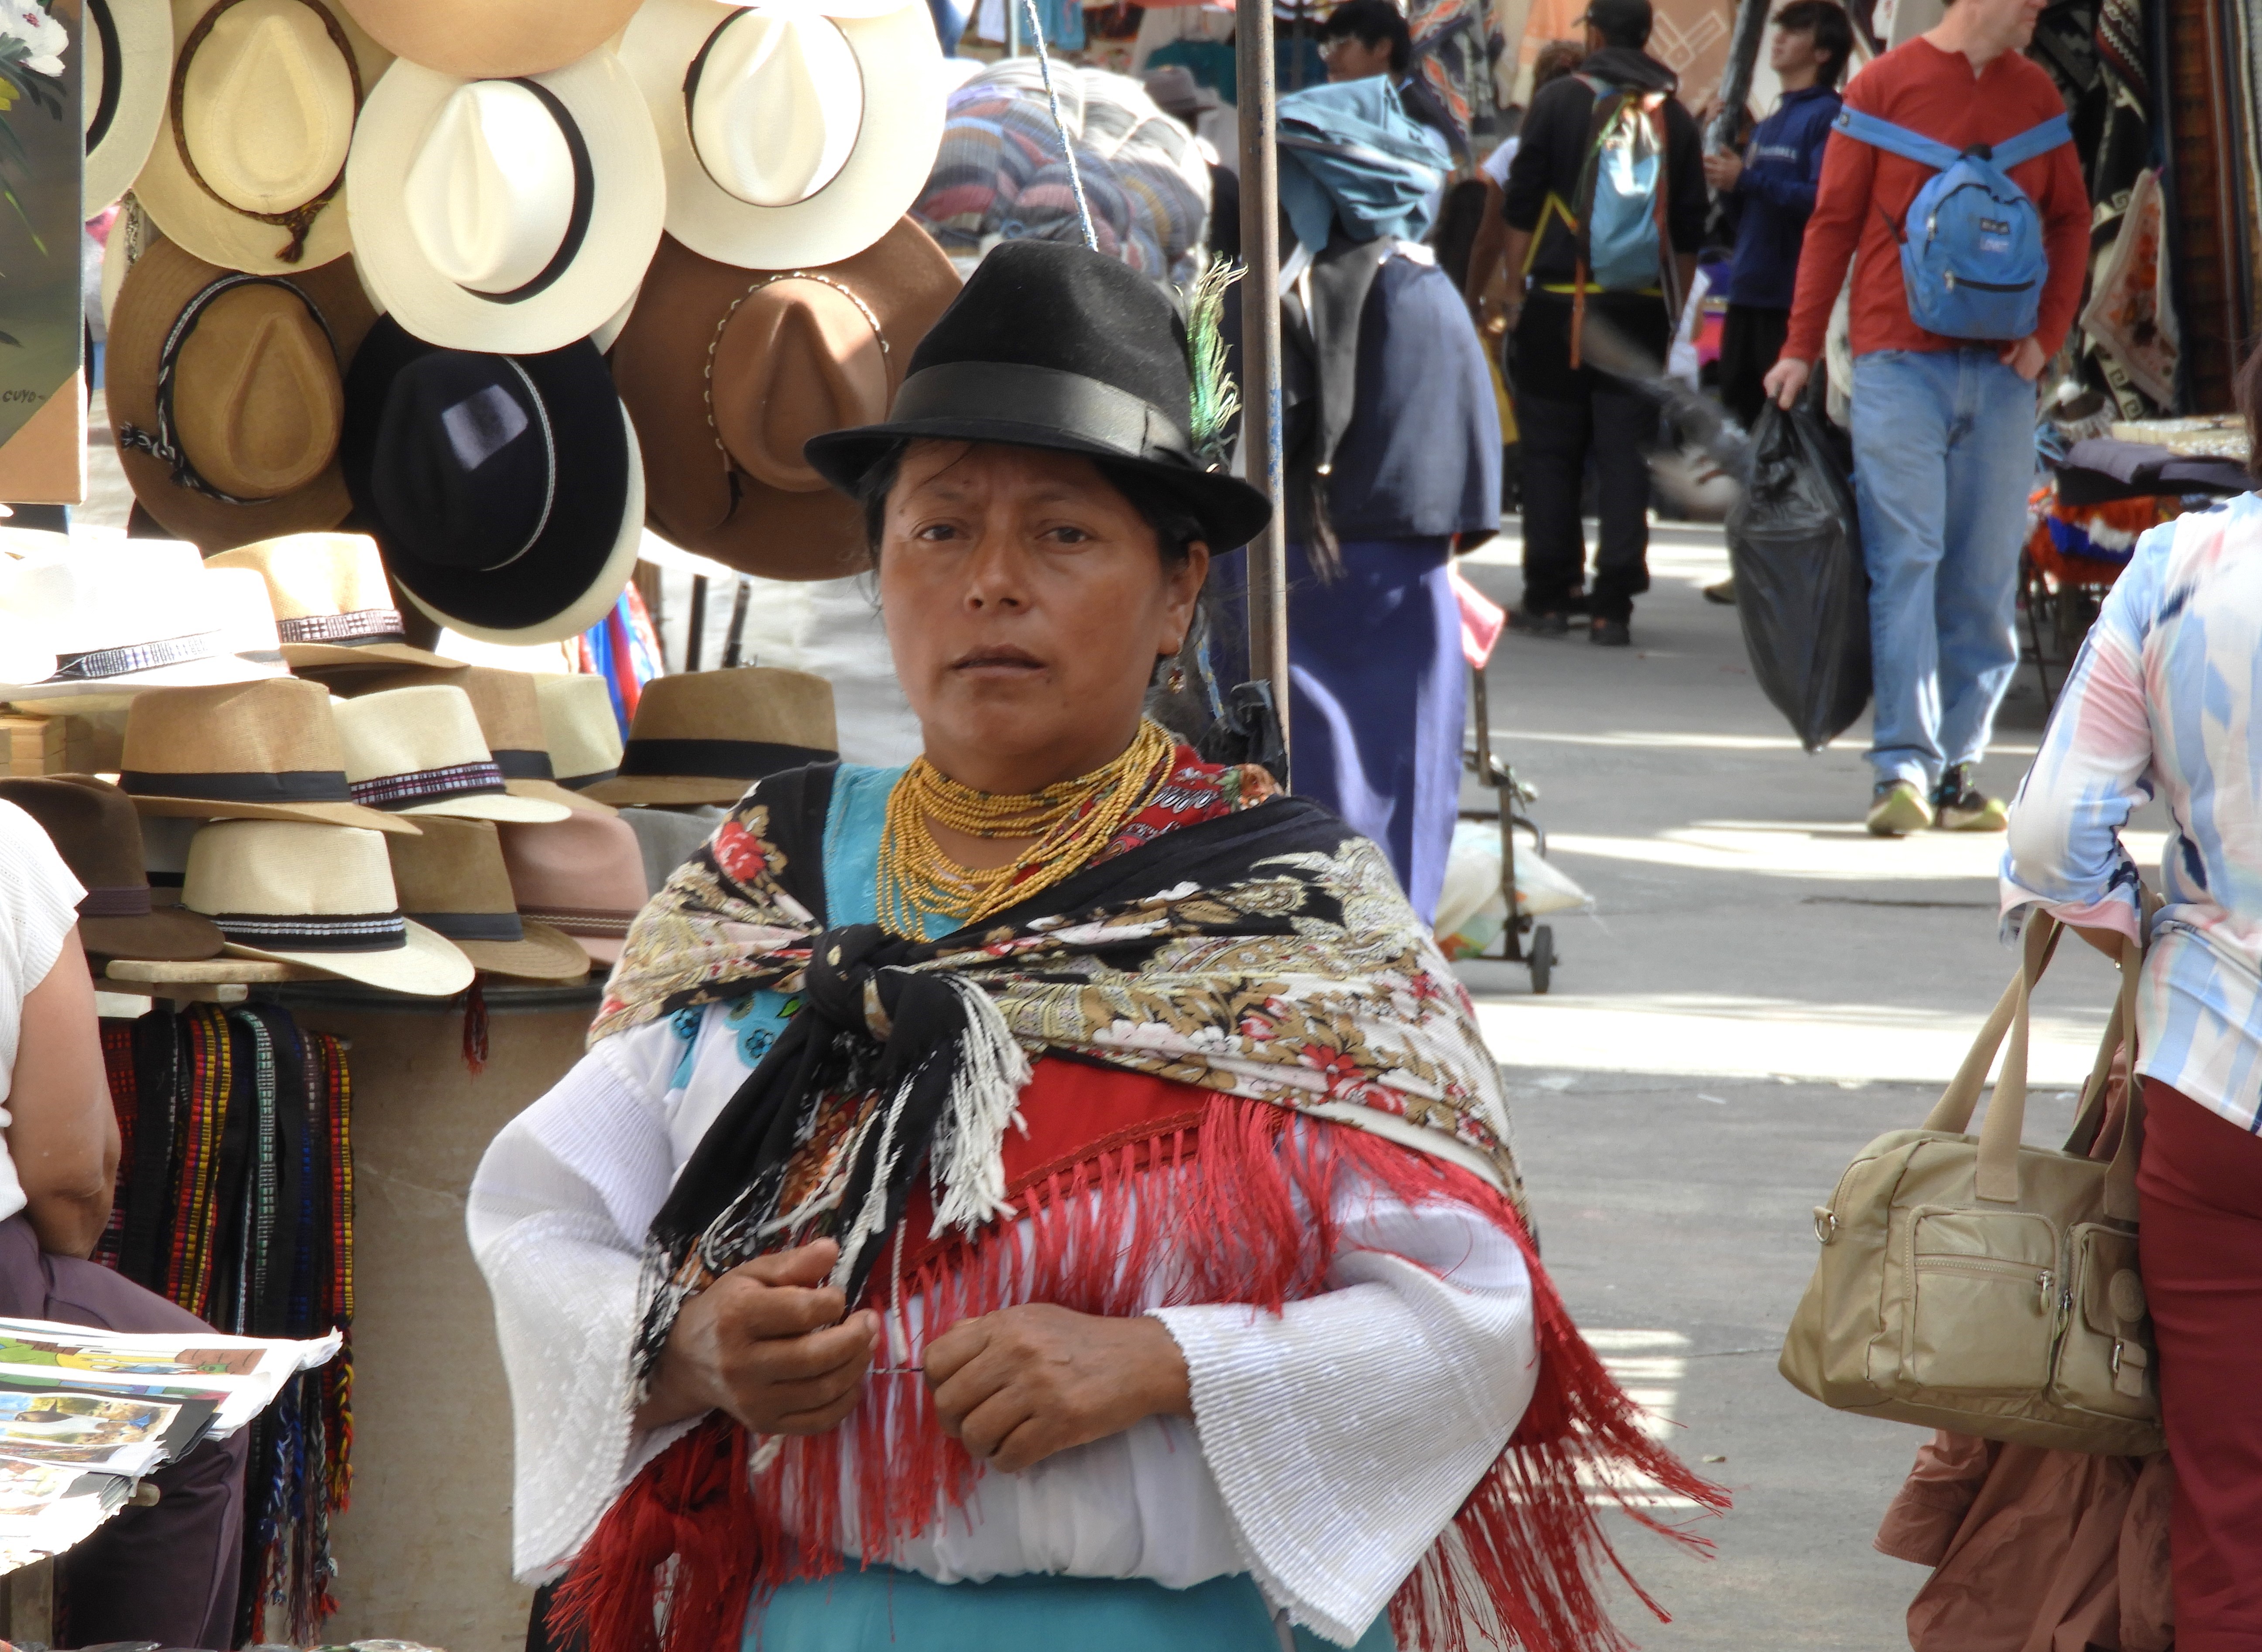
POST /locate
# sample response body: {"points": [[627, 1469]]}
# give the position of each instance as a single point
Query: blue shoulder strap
{"points": [[1900, 141], [2037, 140]]}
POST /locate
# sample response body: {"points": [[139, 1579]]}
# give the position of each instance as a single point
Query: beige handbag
{"points": [[1975, 1284]]}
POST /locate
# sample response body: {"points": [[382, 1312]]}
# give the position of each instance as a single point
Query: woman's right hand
{"points": [[767, 1343]]}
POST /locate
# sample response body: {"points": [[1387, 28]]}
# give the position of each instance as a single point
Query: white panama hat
{"points": [[513, 216], [293, 892], [120, 616], [419, 751], [248, 170], [129, 54], [795, 132]]}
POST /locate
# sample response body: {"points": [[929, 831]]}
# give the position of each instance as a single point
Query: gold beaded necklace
{"points": [[1068, 823]]}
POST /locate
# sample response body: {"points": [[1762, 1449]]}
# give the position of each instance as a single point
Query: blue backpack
{"points": [[1973, 257]]}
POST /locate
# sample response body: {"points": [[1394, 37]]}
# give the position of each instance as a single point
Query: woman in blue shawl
{"points": [[1392, 453]]}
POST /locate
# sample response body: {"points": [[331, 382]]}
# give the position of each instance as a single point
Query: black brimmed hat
{"points": [[504, 491], [1051, 345]]}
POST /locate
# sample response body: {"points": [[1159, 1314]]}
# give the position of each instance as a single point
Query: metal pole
{"points": [[1012, 29], [1260, 347]]}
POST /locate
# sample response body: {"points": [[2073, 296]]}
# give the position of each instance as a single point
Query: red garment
{"points": [[2200, 1188], [1934, 92]]}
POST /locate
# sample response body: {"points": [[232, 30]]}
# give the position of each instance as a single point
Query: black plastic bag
{"points": [[1802, 591]]}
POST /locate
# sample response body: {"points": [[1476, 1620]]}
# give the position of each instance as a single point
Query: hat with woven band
{"points": [[509, 714], [318, 895], [122, 616], [729, 372], [792, 135], [506, 214], [418, 751], [452, 879], [96, 832], [332, 605], [583, 876], [128, 58], [506, 492], [1056, 346], [256, 751], [706, 736], [226, 392], [495, 37], [249, 170], [578, 727]]}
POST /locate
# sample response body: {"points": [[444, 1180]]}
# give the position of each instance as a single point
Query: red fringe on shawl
{"points": [[1248, 1219]]}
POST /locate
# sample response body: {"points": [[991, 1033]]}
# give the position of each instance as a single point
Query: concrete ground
{"points": [[1762, 988]]}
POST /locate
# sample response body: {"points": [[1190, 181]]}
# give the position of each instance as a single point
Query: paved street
{"points": [[1761, 990]]}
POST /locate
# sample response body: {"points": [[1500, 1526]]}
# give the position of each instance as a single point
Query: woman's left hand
{"points": [[1018, 1385]]}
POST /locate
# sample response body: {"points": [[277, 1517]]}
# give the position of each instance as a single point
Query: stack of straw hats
{"points": [[379, 248]]}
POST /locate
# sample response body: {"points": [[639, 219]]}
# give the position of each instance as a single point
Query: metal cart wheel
{"points": [[1542, 957]]}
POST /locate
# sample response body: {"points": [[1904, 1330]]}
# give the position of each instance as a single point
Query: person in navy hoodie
{"points": [[1772, 187]]}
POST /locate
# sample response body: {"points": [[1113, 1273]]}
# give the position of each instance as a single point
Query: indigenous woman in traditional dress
{"points": [[1056, 1188]]}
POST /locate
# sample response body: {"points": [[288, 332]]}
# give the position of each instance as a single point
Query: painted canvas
{"points": [[42, 406]]}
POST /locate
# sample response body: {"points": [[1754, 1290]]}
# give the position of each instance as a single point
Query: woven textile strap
{"points": [[602, 921], [313, 932], [96, 664], [362, 626], [424, 785]]}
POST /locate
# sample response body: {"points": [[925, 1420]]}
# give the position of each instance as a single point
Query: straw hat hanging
{"points": [[248, 168]]}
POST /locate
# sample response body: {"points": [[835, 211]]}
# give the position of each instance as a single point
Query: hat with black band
{"points": [[257, 751], [578, 727], [293, 892], [706, 736], [1054, 346], [571, 192], [95, 829], [128, 64], [452, 880]]}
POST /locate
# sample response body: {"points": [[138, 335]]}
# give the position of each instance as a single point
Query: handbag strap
{"points": [[1997, 1174]]}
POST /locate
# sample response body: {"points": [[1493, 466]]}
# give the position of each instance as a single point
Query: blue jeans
{"points": [[1943, 460]]}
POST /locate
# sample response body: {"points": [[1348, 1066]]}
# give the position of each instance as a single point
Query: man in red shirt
{"points": [[1943, 428]]}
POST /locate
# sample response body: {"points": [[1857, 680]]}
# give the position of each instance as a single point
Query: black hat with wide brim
{"points": [[1052, 345], [505, 492]]}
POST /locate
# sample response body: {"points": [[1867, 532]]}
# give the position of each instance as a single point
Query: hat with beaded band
{"points": [[333, 607], [418, 751], [509, 710]]}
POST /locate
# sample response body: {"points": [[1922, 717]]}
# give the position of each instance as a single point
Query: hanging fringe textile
{"points": [[235, 1200]]}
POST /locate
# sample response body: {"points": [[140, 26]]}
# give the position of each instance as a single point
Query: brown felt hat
{"points": [[728, 371], [249, 751], [510, 714], [452, 880], [98, 835], [333, 607], [706, 736], [227, 393], [584, 876]]}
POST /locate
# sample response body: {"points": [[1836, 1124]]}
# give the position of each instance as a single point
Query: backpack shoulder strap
{"points": [[1899, 140], [2033, 142]]}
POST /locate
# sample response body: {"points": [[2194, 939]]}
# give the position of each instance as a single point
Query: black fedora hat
{"points": [[504, 491], [1054, 345]]}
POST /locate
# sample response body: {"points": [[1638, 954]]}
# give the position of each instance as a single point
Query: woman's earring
{"points": [[1177, 681]]}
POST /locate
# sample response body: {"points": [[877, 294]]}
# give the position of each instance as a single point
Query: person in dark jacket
{"points": [[1565, 409], [1772, 186], [1392, 463]]}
